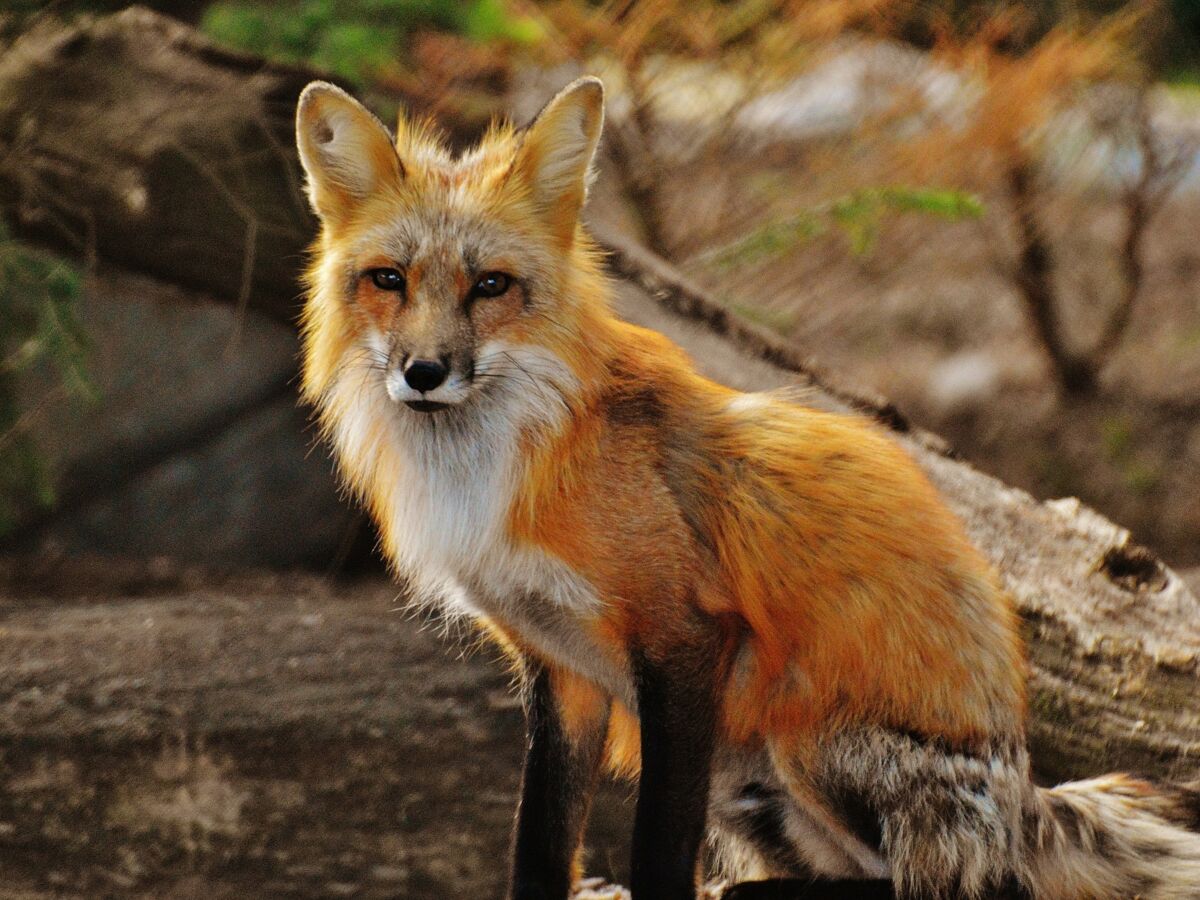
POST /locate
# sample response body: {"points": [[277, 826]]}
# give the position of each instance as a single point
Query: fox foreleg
{"points": [[677, 710], [564, 749]]}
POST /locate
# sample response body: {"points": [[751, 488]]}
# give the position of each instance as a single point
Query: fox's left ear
{"points": [[346, 152], [555, 155]]}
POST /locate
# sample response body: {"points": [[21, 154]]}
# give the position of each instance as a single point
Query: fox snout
{"points": [[425, 374], [427, 383]]}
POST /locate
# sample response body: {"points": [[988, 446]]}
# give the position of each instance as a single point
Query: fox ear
{"points": [[556, 153], [346, 152]]}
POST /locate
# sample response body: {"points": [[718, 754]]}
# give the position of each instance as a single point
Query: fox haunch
{"points": [[762, 610]]}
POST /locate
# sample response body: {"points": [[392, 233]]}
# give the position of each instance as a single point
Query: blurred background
{"points": [[987, 212]]}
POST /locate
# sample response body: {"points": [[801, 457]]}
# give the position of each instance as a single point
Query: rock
{"points": [[195, 447], [963, 380], [255, 493]]}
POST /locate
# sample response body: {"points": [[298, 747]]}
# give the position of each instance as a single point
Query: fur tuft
{"points": [[1114, 836]]}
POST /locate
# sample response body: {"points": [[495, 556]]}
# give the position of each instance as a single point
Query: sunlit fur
{"points": [[586, 493]]}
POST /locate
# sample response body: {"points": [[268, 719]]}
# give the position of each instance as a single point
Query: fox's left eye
{"points": [[491, 284]]}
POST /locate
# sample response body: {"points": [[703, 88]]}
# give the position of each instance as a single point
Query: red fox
{"points": [[762, 610]]}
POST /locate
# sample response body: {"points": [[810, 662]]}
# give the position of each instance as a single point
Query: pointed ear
{"points": [[556, 153], [346, 152]]}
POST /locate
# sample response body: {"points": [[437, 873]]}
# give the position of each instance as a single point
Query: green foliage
{"points": [[491, 20], [38, 294], [858, 216], [1119, 440], [357, 39]]}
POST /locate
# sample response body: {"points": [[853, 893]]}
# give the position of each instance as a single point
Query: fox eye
{"points": [[491, 284], [387, 279]]}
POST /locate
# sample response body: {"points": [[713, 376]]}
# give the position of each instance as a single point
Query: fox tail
{"points": [[1114, 837]]}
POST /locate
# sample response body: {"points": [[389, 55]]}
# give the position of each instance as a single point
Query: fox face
{"points": [[436, 272]]}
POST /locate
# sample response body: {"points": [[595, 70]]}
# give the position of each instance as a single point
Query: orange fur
{"points": [[832, 551]]}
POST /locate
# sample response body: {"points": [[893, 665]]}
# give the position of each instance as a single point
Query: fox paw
{"points": [[599, 889]]}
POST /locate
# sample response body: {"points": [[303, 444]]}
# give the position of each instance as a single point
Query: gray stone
{"points": [[162, 360], [254, 495], [196, 448]]}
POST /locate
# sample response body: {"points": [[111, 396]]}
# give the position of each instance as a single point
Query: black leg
{"points": [[556, 787], [808, 889], [677, 712]]}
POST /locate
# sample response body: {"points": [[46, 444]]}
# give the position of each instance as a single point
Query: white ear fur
{"points": [[346, 152], [557, 150]]}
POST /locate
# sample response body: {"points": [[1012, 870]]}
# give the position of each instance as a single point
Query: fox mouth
{"points": [[425, 406]]}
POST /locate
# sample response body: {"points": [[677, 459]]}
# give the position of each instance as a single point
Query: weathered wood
{"points": [[133, 138], [1114, 636], [258, 735]]}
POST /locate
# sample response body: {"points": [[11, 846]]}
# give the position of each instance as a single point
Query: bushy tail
{"points": [[1114, 837]]}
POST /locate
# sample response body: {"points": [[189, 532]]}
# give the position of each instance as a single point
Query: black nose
{"points": [[424, 374]]}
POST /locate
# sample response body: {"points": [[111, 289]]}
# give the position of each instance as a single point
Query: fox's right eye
{"points": [[387, 279]]}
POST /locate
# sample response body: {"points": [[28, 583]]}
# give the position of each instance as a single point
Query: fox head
{"points": [[437, 273]]}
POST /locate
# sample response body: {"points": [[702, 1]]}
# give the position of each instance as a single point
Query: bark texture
{"points": [[131, 138]]}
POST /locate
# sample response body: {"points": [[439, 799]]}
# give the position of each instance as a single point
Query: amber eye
{"points": [[491, 284], [387, 279]]}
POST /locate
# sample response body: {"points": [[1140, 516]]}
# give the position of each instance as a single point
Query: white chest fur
{"points": [[443, 484]]}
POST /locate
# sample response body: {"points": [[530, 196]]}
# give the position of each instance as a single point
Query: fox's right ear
{"points": [[346, 152]]}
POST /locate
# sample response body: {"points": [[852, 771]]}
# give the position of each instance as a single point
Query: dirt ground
{"points": [[179, 734]]}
